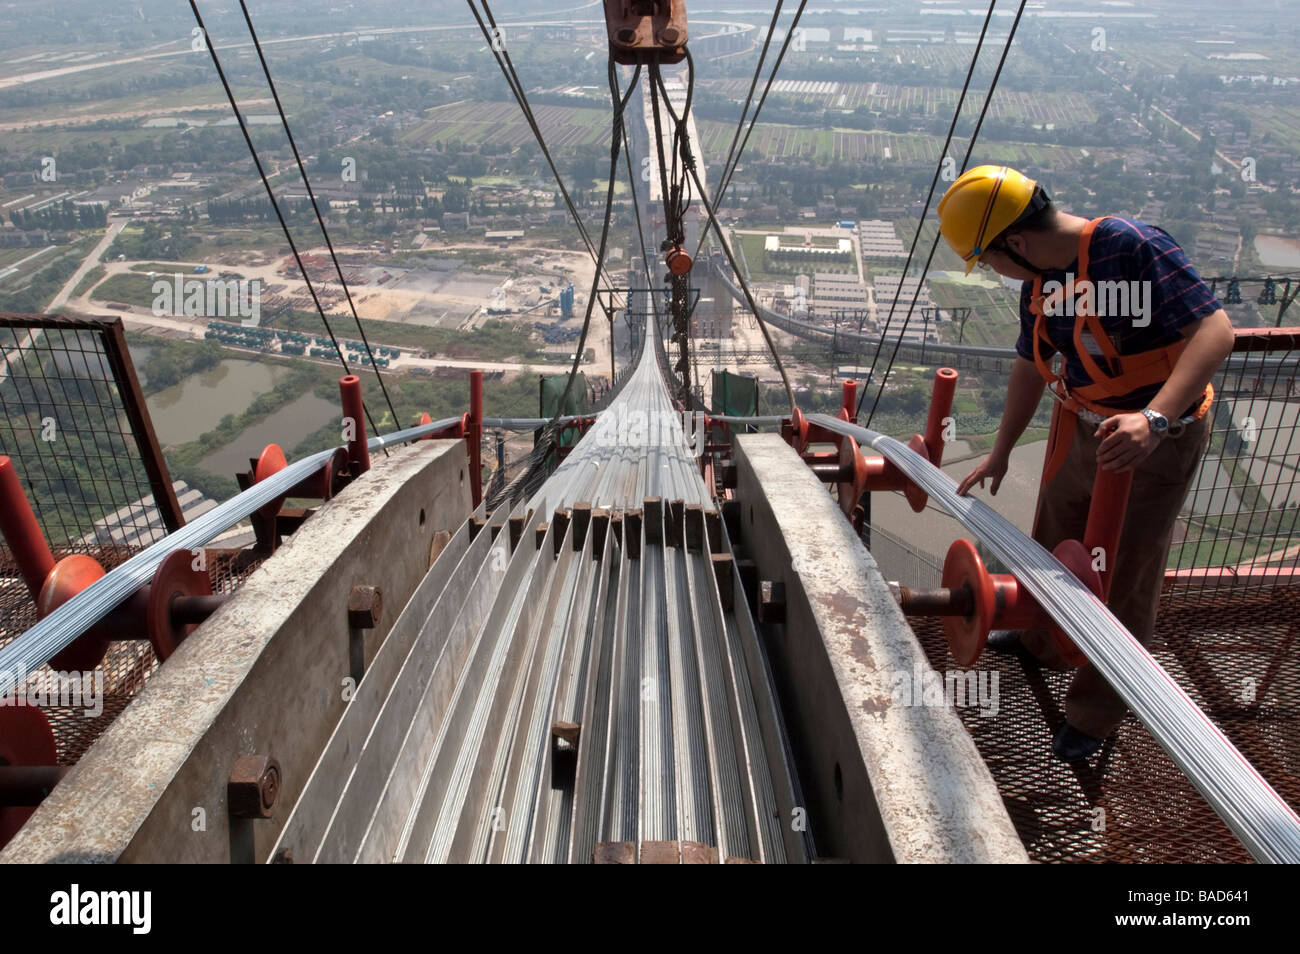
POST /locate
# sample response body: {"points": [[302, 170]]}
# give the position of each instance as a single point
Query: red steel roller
{"points": [[69, 577], [22, 532], [354, 410], [175, 583], [26, 739]]}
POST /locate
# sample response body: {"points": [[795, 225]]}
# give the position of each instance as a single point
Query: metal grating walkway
{"points": [[1222, 649]]}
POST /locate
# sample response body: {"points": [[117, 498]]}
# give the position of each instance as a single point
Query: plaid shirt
{"points": [[1129, 251]]}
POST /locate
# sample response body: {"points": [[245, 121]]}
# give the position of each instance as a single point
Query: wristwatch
{"points": [[1158, 422]]}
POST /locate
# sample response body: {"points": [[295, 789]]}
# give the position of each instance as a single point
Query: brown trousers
{"points": [[1160, 484]]}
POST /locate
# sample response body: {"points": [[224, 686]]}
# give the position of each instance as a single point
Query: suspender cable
{"points": [[284, 120], [270, 194]]}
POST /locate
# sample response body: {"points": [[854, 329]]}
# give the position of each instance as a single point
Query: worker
{"points": [[1139, 336]]}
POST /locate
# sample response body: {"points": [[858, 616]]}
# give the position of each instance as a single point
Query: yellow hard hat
{"points": [[980, 206]]}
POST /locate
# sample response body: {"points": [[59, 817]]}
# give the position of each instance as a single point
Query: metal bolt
{"points": [[254, 787], [626, 36], [669, 36], [365, 607], [771, 602]]}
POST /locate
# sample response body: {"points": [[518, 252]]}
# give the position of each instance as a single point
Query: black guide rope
{"points": [[270, 193], [533, 473], [492, 34], [725, 180], [744, 286], [934, 245], [311, 193]]}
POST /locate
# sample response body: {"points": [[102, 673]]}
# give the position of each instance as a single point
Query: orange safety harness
{"points": [[1134, 370]]}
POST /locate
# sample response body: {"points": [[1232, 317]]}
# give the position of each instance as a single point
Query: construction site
{"points": [[668, 628]]}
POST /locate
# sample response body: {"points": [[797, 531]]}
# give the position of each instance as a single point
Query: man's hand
{"points": [[993, 467], [1127, 439]]}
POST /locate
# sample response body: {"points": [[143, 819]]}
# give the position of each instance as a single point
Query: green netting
{"points": [[734, 394], [552, 391]]}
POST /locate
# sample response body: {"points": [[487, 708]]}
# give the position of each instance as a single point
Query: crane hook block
{"points": [[641, 31]]}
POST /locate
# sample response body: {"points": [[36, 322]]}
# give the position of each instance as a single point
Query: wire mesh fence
{"points": [[1238, 527], [73, 423], [904, 562]]}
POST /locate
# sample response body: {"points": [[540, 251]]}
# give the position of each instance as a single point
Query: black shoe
{"points": [[1006, 642], [1071, 745]]}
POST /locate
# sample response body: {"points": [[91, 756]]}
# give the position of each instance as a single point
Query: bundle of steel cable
{"points": [[61, 628], [1252, 809]]}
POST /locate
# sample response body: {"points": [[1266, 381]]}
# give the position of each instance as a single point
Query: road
{"points": [[91, 260], [131, 114], [556, 16]]}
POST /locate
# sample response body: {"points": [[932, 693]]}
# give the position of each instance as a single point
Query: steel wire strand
{"points": [[1267, 826]]}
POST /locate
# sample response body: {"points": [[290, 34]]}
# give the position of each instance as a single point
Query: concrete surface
{"points": [[884, 779], [264, 675]]}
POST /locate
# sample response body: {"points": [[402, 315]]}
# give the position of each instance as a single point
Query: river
{"points": [[285, 427]]}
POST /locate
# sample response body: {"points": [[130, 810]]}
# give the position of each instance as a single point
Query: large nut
{"points": [[365, 607], [254, 787]]}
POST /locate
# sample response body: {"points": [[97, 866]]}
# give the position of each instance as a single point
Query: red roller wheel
{"points": [[336, 472], [799, 430], [271, 461], [851, 491], [967, 634], [914, 494], [175, 577], [1079, 562], [679, 263], [69, 577], [25, 739]]}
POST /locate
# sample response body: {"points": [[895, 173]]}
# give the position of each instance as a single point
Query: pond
{"points": [[1278, 251], [184, 411], [286, 427]]}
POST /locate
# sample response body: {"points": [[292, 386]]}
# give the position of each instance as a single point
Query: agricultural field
{"points": [[1059, 109], [778, 142], [995, 319], [1280, 123], [502, 124]]}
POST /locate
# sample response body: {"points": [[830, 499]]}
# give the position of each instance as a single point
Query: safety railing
{"points": [[1238, 528]]}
